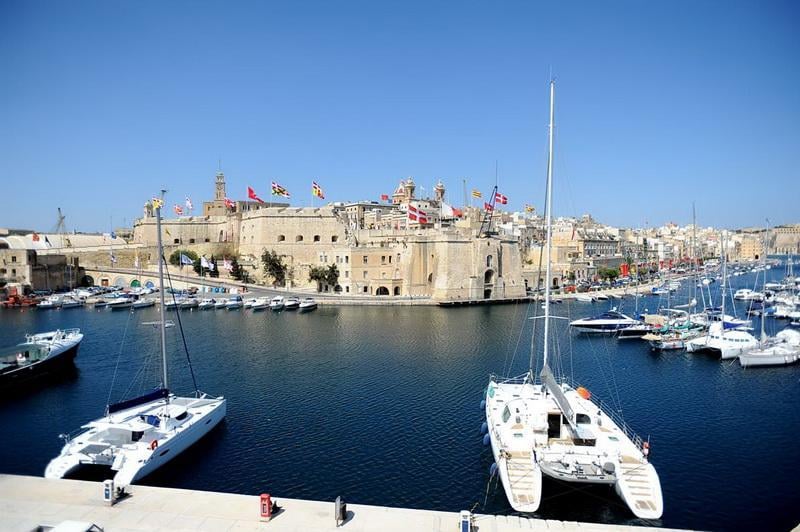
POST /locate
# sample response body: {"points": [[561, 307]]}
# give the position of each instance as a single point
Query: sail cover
{"points": [[558, 394], [160, 393]]}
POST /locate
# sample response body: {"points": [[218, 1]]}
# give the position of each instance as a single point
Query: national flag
{"points": [[35, 237], [228, 265], [205, 263], [417, 215], [189, 205], [529, 208], [178, 210], [487, 207], [502, 199], [229, 203], [476, 193], [278, 190], [136, 262], [113, 235], [252, 195], [158, 203], [316, 190], [185, 259], [384, 197], [113, 258], [448, 211]]}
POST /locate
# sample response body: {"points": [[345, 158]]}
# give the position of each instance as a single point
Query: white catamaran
{"points": [[139, 435], [546, 427]]}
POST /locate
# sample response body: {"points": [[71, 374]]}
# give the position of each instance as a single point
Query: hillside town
{"points": [[402, 245]]}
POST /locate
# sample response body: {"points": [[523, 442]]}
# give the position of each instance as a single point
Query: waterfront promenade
{"points": [[29, 502]]}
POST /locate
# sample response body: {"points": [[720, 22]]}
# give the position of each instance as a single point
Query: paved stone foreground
{"points": [[27, 502]]}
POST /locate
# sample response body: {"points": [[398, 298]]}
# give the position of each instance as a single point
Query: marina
{"points": [[309, 414]]}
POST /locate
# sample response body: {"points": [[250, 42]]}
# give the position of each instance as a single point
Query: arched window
{"points": [[298, 238], [281, 238], [316, 238], [334, 238], [489, 261], [397, 290]]}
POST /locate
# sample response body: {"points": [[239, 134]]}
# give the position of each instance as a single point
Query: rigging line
{"points": [[180, 326], [516, 345], [119, 357]]}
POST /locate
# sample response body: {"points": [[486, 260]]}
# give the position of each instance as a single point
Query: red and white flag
{"points": [[384, 197], [178, 210], [417, 215], [487, 207], [253, 196], [502, 199], [229, 203], [228, 265]]}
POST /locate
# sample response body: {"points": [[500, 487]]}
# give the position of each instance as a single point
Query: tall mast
{"points": [[724, 279], [549, 215], [161, 291]]}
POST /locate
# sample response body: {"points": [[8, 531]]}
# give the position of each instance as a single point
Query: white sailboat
{"points": [[546, 427], [137, 436]]}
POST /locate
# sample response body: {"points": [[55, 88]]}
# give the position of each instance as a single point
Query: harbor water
{"points": [[381, 406]]}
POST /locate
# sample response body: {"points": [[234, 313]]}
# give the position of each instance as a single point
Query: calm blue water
{"points": [[381, 406]]}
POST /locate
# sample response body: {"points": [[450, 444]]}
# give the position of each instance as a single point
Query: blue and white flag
{"points": [[113, 258], [186, 260]]}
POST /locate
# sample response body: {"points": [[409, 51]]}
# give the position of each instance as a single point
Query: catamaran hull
{"points": [[173, 447], [755, 361]]}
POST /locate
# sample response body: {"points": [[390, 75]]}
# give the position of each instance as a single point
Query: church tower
{"points": [[438, 192], [220, 191]]}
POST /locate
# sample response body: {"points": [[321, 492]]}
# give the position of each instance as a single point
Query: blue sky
{"points": [[658, 104]]}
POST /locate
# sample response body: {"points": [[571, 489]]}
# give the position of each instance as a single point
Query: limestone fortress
{"points": [[378, 248]]}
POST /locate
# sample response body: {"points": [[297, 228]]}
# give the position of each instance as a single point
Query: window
{"points": [[347, 289], [347, 274], [177, 241], [506, 414], [365, 274], [489, 261], [281, 238], [366, 290], [383, 259], [334, 238], [316, 238], [191, 240], [347, 259], [390, 259], [206, 240], [364, 259], [298, 238]]}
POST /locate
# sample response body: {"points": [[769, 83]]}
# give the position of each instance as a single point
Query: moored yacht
{"points": [[608, 322], [307, 305], [277, 303], [38, 355]]}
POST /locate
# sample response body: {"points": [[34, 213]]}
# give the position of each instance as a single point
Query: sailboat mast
{"points": [[549, 215], [161, 291], [724, 279]]}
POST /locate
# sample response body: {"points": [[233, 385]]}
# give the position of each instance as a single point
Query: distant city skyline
{"points": [[657, 106]]}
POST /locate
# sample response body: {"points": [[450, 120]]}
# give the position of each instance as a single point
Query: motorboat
{"points": [[607, 322], [277, 303], [234, 303], [40, 354], [189, 303], [261, 303], [137, 436], [291, 303], [143, 303], [307, 305], [50, 303], [206, 304], [220, 303], [248, 303], [541, 426], [69, 302], [121, 303]]}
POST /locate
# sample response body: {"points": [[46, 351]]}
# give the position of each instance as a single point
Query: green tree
{"points": [[274, 266], [322, 275], [236, 270], [175, 257]]}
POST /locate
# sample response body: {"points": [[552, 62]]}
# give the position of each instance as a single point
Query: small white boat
{"points": [[307, 305], [781, 350], [144, 303], [52, 302], [277, 303], [68, 302], [120, 303], [607, 322], [189, 303], [206, 304], [584, 299], [248, 303], [234, 303], [292, 303], [221, 303], [262, 303]]}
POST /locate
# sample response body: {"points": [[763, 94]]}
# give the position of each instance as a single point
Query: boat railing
{"points": [[519, 379]]}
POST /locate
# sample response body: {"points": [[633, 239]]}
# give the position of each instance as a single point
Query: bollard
{"points": [[108, 491], [266, 507], [340, 511]]}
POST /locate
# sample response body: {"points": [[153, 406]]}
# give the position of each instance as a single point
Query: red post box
{"points": [[266, 506]]}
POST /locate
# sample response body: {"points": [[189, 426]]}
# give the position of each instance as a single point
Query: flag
{"points": [[529, 208], [229, 203], [186, 260], [252, 195], [113, 235], [178, 210], [113, 258], [228, 265], [487, 207], [448, 211], [384, 197], [417, 215], [35, 237], [136, 262], [316, 190], [205, 263], [476, 193], [502, 199], [278, 190], [157, 203], [189, 205]]}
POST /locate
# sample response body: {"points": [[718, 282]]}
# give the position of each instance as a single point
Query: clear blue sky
{"points": [[658, 104]]}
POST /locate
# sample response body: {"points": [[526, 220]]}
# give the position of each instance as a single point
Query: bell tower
{"points": [[220, 184]]}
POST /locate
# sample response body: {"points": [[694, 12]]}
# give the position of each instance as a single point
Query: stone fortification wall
{"points": [[189, 230]]}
